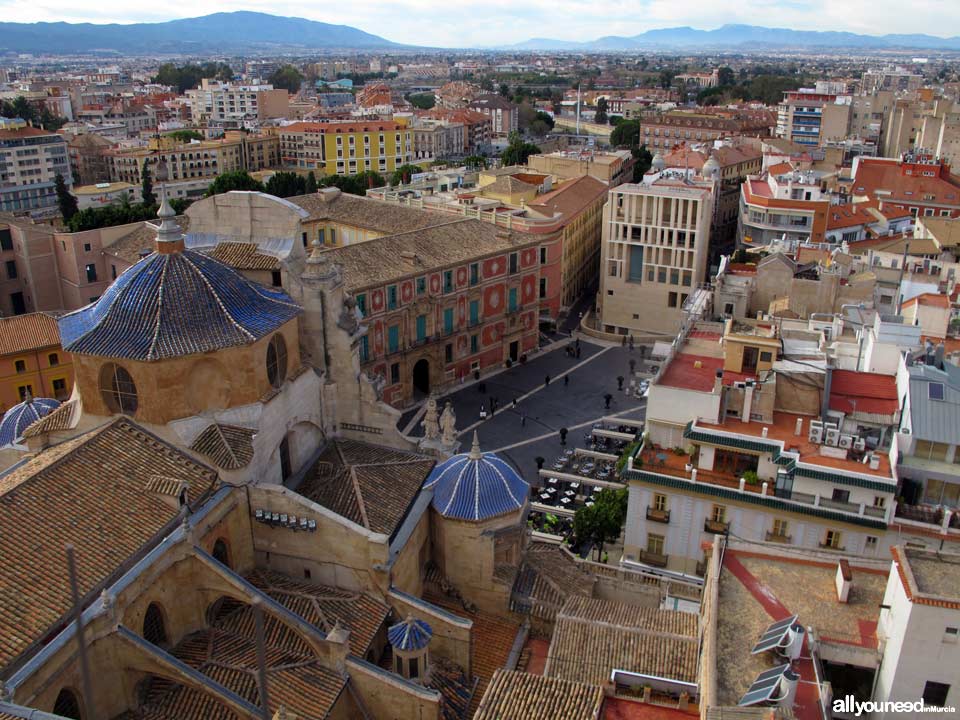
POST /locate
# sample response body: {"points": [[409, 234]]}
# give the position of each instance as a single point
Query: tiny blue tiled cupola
{"points": [[23, 415], [409, 640], [476, 486]]}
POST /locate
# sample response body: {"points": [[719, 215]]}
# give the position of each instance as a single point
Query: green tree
{"points": [[423, 101], [475, 162], [601, 523], [311, 186], [726, 76], [600, 116], [643, 161], [369, 179], [287, 78], [286, 184], [146, 186], [626, 134], [403, 173], [235, 180], [185, 136], [504, 89], [66, 201], [518, 151]]}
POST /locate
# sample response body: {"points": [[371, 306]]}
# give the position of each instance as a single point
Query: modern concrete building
{"points": [[784, 204], [221, 103], [30, 160], [653, 255]]}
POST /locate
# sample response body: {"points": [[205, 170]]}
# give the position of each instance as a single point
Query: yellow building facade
{"points": [[346, 148]]}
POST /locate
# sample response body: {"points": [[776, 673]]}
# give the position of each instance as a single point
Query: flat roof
{"points": [[929, 578], [758, 588]]}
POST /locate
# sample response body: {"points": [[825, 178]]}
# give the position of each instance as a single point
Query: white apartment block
{"points": [[30, 159], [654, 254], [219, 102]]}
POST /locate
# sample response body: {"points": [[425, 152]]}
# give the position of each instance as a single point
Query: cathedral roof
{"points": [[411, 634], [21, 416], [172, 304], [476, 486]]}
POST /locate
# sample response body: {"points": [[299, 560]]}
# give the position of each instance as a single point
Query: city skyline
{"points": [[499, 23]]}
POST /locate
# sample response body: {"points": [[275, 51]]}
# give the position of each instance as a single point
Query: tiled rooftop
{"points": [[698, 372], [25, 333], [369, 485], [518, 696], [228, 446], [585, 648], [90, 491]]}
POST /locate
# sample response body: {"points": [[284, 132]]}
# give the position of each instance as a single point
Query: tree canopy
{"points": [[287, 78], [601, 523], [65, 201], [626, 134], [146, 186], [189, 76], [22, 108], [286, 184], [423, 101], [185, 135], [403, 173], [235, 180], [518, 151], [600, 117]]}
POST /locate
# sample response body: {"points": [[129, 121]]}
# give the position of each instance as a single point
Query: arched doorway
{"points": [[221, 553], [67, 705], [421, 376]]}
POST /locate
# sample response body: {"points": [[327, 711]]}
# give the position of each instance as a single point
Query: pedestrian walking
{"points": [[566, 380], [619, 382], [523, 420], [563, 436], [578, 353], [514, 402], [483, 413], [631, 342], [546, 381], [623, 341], [606, 399], [578, 343]]}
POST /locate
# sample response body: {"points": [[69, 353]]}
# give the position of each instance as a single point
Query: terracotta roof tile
{"points": [[88, 491], [516, 695], [230, 447], [243, 256], [23, 333]]}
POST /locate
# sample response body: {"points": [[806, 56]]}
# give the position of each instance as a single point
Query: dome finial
{"points": [[475, 453], [169, 236]]}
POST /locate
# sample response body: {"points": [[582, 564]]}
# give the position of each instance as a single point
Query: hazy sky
{"points": [[459, 23]]}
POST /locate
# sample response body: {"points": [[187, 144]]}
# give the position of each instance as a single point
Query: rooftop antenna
{"points": [[77, 619]]}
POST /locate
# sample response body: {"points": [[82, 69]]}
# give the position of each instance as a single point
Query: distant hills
{"points": [[743, 37], [219, 32]]}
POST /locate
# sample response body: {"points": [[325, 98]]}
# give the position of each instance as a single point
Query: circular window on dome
{"points": [[277, 360], [118, 390]]}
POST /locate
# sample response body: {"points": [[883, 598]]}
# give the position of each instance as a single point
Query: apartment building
{"points": [[743, 440], [891, 79], [30, 160], [664, 130], [800, 116], [175, 161], [477, 127], [32, 361], [653, 254], [434, 139], [613, 167], [785, 204], [918, 182], [503, 114], [346, 148], [89, 162], [226, 103]]}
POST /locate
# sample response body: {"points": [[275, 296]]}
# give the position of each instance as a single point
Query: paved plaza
{"points": [[576, 405]]}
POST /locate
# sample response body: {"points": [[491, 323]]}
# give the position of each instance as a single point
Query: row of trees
{"points": [[22, 108], [289, 184], [186, 77]]}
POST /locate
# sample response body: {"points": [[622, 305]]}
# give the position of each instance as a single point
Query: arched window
{"points": [[154, 629], [220, 552], [67, 705], [118, 390], [277, 360]]}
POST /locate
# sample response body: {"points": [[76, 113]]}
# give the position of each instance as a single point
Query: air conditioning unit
{"points": [[831, 435], [846, 441], [859, 444], [815, 433]]}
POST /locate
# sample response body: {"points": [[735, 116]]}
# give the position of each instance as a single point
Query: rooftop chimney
{"points": [[844, 581], [798, 430]]}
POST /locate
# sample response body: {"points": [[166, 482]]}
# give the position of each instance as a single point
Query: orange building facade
{"points": [[31, 360]]}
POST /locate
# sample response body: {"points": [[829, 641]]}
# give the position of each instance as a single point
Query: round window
{"points": [[277, 360], [118, 390]]}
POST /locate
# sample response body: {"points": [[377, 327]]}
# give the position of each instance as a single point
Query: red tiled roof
{"points": [[339, 127], [23, 333], [844, 216], [884, 176], [929, 299], [863, 392], [742, 268], [23, 132]]}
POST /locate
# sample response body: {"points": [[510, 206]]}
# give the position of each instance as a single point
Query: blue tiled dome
{"points": [[20, 417], [476, 486], [411, 634], [172, 304]]}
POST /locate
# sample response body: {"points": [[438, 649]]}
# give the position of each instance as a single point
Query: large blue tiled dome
{"points": [[476, 486], [21, 416], [175, 302]]}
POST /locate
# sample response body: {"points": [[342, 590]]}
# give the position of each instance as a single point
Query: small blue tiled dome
{"points": [[476, 486], [411, 634], [21, 416], [172, 304]]}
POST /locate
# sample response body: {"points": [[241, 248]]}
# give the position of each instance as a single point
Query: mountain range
{"points": [[219, 32], [743, 37]]}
